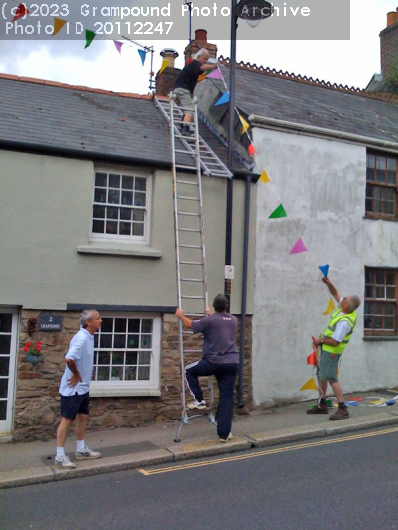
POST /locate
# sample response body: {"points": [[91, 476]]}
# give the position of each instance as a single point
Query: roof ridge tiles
{"points": [[73, 87], [309, 80]]}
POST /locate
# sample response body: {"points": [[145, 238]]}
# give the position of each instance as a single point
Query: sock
{"points": [[323, 401], [80, 445], [60, 452], [342, 405]]}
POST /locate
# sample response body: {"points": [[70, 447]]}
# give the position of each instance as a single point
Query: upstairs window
{"points": [[381, 299], [381, 186], [121, 204]]}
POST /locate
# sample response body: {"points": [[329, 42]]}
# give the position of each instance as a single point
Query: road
{"points": [[346, 482]]}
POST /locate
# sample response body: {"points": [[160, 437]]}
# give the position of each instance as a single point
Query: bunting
{"points": [[264, 177], [118, 45], [165, 64], [312, 359], [21, 11], [245, 125], [90, 35], [223, 99], [252, 151], [214, 74], [278, 212], [324, 269], [58, 25], [309, 385], [330, 308], [142, 54], [298, 247]]}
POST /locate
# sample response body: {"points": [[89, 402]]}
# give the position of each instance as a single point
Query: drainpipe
{"points": [[244, 290]]}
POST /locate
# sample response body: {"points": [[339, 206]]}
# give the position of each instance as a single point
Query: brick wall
{"points": [[389, 47], [37, 403]]}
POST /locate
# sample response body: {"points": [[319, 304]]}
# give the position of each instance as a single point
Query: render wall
{"points": [[321, 184]]}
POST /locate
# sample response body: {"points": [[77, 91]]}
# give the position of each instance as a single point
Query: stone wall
{"points": [[37, 402]]}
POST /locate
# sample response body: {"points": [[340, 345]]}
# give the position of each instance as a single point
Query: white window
{"points": [[127, 356], [121, 206]]}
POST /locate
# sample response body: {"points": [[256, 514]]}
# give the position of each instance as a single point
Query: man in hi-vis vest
{"points": [[333, 339]]}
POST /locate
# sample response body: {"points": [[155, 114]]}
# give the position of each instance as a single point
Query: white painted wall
{"points": [[321, 184]]}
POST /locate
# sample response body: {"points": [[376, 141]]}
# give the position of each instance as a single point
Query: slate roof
{"points": [[50, 116], [297, 101]]}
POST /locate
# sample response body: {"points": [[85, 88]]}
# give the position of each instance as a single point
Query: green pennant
{"points": [[89, 37], [279, 212]]}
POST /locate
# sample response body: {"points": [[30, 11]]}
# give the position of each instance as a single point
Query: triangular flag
{"points": [[215, 74], [20, 12], [309, 385], [202, 77], [165, 64], [142, 55], [58, 25], [264, 177], [311, 359], [89, 37], [245, 125], [252, 151], [313, 342], [324, 269], [223, 99], [279, 212], [298, 247], [330, 307], [118, 45]]}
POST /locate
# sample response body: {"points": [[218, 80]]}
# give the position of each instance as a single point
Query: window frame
{"points": [[383, 185], [374, 332], [149, 387], [117, 238]]}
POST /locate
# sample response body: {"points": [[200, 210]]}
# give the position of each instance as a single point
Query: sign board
{"points": [[49, 323], [229, 272]]}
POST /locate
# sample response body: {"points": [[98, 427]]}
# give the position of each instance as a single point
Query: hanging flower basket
{"points": [[33, 353]]}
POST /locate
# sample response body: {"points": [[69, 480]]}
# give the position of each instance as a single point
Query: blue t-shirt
{"points": [[81, 350], [219, 332]]}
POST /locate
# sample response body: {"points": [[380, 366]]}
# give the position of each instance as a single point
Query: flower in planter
{"points": [[29, 349]]}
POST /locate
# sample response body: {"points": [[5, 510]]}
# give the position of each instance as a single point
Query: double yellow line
{"points": [[235, 458]]}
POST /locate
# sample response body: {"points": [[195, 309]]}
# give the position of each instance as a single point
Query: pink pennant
{"points": [[215, 74], [298, 247], [118, 45]]}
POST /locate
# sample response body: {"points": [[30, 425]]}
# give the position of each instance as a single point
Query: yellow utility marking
{"points": [[262, 453]]}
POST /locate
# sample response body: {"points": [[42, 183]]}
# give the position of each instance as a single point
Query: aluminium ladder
{"points": [[190, 155]]}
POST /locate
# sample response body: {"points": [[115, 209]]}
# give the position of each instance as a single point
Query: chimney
{"points": [[199, 42], [389, 43], [166, 80]]}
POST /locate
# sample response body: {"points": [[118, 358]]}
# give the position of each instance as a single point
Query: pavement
{"points": [[25, 463]]}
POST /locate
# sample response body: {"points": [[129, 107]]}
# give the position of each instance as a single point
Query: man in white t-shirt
{"points": [[74, 389], [333, 340]]}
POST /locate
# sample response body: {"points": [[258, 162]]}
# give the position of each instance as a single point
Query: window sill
{"points": [[120, 249], [372, 338], [380, 218], [123, 392]]}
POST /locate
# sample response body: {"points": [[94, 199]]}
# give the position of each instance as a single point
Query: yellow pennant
{"points": [[245, 125], [264, 177], [309, 385], [330, 307], [58, 25], [165, 64]]}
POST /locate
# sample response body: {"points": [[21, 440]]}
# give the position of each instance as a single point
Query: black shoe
{"points": [[186, 130]]}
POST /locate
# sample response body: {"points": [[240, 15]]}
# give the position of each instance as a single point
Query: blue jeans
{"points": [[225, 375]]}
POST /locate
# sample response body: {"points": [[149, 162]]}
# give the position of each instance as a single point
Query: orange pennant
{"points": [[311, 359], [252, 150], [58, 25]]}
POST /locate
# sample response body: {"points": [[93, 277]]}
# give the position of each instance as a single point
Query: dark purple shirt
{"points": [[219, 332]]}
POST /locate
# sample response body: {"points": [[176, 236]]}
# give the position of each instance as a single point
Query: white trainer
{"points": [[227, 439], [64, 462], [88, 454], [197, 405]]}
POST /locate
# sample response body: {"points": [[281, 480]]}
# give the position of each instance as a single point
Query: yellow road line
{"points": [[265, 452]]}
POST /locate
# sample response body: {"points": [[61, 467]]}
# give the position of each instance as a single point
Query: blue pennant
{"points": [[324, 269], [223, 99], [142, 55]]}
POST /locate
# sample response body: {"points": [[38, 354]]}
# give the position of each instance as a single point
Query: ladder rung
{"points": [[195, 314], [185, 152], [189, 230], [192, 297], [189, 214], [190, 246], [191, 280], [185, 167], [187, 198], [191, 263], [187, 182]]}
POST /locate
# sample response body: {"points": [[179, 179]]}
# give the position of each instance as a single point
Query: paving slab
{"points": [[25, 477], [289, 434], [357, 424], [208, 448]]}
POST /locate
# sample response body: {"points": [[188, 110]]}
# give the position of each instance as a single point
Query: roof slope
{"points": [[272, 96], [59, 117]]}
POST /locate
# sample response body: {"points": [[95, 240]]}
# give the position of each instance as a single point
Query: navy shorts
{"points": [[71, 406]]}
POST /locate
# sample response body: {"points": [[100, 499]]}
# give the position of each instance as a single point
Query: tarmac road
{"points": [[341, 482]]}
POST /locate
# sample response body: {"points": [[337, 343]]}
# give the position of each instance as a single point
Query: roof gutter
{"points": [[310, 130]]}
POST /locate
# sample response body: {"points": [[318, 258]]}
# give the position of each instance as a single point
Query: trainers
{"points": [[197, 405], [318, 409], [88, 454], [186, 130], [64, 462], [225, 440], [340, 414]]}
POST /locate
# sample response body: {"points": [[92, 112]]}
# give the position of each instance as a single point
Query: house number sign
{"points": [[49, 323]]}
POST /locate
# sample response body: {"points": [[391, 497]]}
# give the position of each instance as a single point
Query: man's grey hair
{"points": [[85, 315], [199, 53], [354, 302]]}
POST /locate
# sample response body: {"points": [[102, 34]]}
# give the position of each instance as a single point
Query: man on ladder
{"points": [[186, 83], [220, 357]]}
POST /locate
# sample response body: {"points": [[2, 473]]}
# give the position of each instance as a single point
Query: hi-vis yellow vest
{"points": [[330, 328]]}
